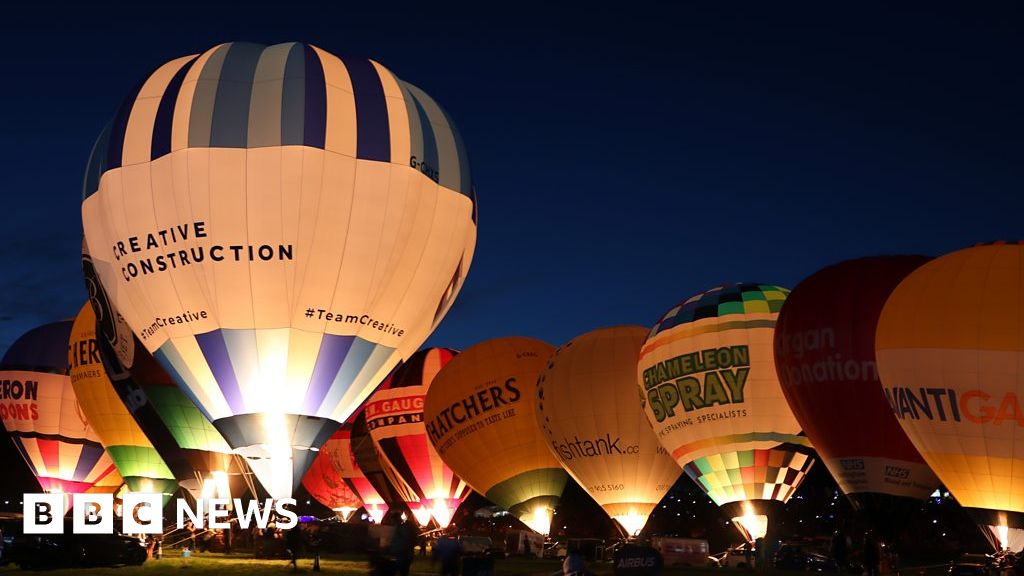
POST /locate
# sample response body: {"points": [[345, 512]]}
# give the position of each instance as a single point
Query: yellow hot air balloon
{"points": [[712, 395], [480, 416], [587, 407], [280, 227], [950, 352], [137, 461]]}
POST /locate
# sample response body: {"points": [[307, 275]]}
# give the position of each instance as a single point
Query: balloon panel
{"points": [[772, 474], [394, 418], [708, 377], [279, 226], [588, 409], [950, 344], [825, 354], [128, 446], [40, 411], [324, 484], [480, 416]]}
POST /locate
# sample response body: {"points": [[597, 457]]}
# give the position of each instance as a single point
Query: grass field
{"points": [[239, 565]]}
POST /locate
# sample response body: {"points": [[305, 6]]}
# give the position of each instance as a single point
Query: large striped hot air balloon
{"points": [[280, 227], [950, 347], [394, 418], [587, 408], [480, 416], [710, 391], [137, 461], [196, 453], [39, 409], [825, 356]]}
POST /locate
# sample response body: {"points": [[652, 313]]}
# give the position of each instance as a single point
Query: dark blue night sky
{"points": [[624, 158]]}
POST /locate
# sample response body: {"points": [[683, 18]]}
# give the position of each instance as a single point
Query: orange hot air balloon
{"points": [[324, 483], [339, 453], [394, 418], [40, 411], [950, 348], [480, 416], [587, 407]]}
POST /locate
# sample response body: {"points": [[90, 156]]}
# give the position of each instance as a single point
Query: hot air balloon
{"points": [[279, 227], [711, 393], [40, 411], [367, 459], [825, 357], [949, 344], [194, 451], [587, 408], [138, 463], [338, 451], [394, 418], [324, 483], [480, 416]]}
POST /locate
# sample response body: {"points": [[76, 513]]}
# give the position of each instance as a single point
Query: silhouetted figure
{"points": [[403, 544], [872, 555], [448, 552], [838, 550], [574, 564], [294, 540]]}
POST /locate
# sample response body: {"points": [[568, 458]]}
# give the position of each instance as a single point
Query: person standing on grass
{"points": [[294, 540]]}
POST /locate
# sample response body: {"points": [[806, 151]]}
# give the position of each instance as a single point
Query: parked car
{"points": [[973, 565], [797, 557], [738, 556], [34, 551]]}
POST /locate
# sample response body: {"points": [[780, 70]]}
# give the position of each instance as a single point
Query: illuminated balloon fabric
{"points": [[949, 343], [40, 412], [192, 448], [711, 393], [394, 418], [323, 482], [368, 459], [339, 452], [137, 461], [825, 356], [480, 416], [279, 226], [586, 406]]}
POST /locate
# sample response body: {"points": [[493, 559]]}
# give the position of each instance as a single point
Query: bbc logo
{"points": [[93, 513]]}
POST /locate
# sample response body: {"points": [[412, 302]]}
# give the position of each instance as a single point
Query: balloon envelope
{"points": [[40, 411], [587, 407], [133, 454], [950, 343], [279, 226], [711, 393], [328, 487], [825, 355], [480, 416], [394, 419]]}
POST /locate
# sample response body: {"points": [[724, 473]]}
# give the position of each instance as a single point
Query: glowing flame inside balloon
{"points": [[216, 486], [539, 520], [422, 514], [632, 522], [443, 511], [752, 525], [376, 511], [344, 512], [1003, 533]]}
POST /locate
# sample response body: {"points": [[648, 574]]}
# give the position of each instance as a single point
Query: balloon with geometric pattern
{"points": [[280, 227], [710, 391]]}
